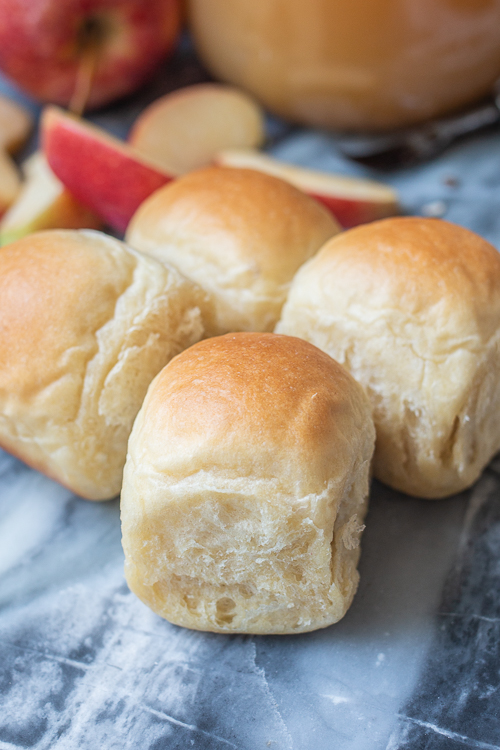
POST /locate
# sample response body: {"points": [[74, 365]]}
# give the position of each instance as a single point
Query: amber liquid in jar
{"points": [[353, 64]]}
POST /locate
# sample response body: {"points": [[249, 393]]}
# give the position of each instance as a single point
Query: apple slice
{"points": [[103, 173], [15, 124], [186, 128], [43, 203], [352, 200], [10, 181]]}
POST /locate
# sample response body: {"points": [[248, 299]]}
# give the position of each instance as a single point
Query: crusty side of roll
{"points": [[246, 485], [85, 325], [238, 233], [412, 308]]}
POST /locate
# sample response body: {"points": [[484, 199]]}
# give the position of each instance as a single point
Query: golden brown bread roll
{"points": [[245, 486], [240, 234], [411, 307], [85, 325]]}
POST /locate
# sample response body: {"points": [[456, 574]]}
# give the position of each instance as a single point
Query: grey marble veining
{"points": [[85, 664], [458, 695], [415, 664]]}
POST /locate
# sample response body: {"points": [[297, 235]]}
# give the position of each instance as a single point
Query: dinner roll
{"points": [[85, 325], [411, 307], [238, 233], [246, 486]]}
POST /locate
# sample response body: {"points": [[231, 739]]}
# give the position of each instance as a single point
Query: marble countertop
{"points": [[415, 663]]}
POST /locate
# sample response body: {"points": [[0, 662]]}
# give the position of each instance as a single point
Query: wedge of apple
{"points": [[10, 181], [186, 128], [15, 125], [102, 172], [43, 203], [352, 200]]}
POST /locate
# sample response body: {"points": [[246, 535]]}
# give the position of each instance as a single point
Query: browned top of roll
{"points": [[418, 266], [56, 290], [253, 404], [271, 223]]}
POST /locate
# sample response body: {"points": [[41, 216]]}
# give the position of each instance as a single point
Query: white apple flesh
{"points": [[43, 203], [183, 130], [15, 124], [10, 181]]}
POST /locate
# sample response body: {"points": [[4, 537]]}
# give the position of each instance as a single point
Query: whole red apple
{"points": [[47, 45]]}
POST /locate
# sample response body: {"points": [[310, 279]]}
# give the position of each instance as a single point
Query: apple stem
{"points": [[91, 37]]}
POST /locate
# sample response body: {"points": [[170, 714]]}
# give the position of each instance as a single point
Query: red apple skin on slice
{"points": [[351, 200], [351, 213], [102, 172]]}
